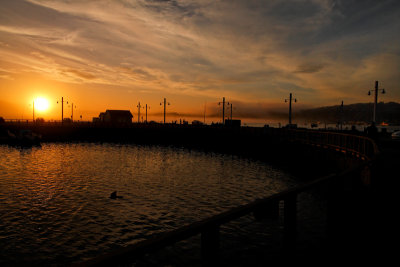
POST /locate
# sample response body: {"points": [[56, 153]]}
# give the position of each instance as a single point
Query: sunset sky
{"points": [[112, 54]]}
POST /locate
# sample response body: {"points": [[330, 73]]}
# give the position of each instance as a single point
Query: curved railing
{"points": [[358, 146]]}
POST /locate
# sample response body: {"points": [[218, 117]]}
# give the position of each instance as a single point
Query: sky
{"points": [[113, 54]]}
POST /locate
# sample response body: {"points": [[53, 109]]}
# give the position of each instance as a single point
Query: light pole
{"points": [[62, 109], [230, 106], [290, 107], [165, 107], [223, 109], [146, 112], [376, 100], [231, 111], [72, 111]]}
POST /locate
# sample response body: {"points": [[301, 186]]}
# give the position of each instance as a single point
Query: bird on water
{"points": [[114, 195]]}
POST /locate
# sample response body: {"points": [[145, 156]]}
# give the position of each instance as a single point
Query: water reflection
{"points": [[56, 204]]}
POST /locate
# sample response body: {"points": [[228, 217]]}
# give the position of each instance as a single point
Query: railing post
{"points": [[269, 210], [210, 246], [290, 223]]}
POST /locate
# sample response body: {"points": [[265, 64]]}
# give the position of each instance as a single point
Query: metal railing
{"points": [[359, 146], [209, 228]]}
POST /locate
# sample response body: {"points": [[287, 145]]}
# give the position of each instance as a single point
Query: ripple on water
{"points": [[55, 199]]}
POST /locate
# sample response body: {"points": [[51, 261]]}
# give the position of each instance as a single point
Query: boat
{"points": [[396, 135]]}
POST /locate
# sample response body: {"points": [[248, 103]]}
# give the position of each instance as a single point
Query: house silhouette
{"points": [[114, 116]]}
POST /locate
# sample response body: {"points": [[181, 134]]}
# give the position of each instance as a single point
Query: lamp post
{"points": [[72, 111], [230, 106], [223, 110], [165, 107], [146, 112], [376, 99], [62, 109], [290, 107]]}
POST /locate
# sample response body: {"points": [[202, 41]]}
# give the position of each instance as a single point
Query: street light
{"points": [[146, 112], [62, 109], [72, 111], [231, 107], [290, 107], [376, 99], [223, 109], [165, 107], [139, 107]]}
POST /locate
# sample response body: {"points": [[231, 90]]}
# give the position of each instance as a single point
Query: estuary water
{"points": [[55, 205]]}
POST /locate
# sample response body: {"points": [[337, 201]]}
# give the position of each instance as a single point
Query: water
{"points": [[55, 205]]}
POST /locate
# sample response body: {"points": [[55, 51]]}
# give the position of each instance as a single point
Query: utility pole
{"points": [[33, 110], [375, 99], [290, 107], [223, 110], [165, 107]]}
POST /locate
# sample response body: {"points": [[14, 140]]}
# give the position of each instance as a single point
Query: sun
{"points": [[41, 104]]}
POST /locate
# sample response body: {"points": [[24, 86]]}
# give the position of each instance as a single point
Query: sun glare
{"points": [[41, 104]]}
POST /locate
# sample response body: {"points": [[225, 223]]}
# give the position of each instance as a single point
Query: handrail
{"points": [[209, 228], [360, 146]]}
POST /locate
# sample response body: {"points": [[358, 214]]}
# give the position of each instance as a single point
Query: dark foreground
{"points": [[364, 234]]}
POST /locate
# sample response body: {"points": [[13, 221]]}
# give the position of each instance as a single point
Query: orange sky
{"points": [[112, 54]]}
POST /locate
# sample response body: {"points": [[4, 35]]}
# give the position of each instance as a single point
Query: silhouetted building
{"points": [[233, 123], [196, 122], [114, 116], [101, 116]]}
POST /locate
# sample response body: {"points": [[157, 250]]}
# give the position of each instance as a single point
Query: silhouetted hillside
{"points": [[361, 112]]}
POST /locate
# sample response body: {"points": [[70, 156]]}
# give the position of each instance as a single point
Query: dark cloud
{"points": [[308, 68]]}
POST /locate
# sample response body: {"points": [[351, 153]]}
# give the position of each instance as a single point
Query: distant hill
{"points": [[361, 112]]}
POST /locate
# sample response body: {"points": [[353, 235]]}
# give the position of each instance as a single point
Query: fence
{"points": [[359, 146]]}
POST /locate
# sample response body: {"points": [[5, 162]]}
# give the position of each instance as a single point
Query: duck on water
{"points": [[114, 195]]}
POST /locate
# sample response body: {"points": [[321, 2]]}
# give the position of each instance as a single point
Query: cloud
{"points": [[80, 74], [309, 68], [248, 49]]}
